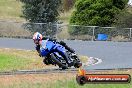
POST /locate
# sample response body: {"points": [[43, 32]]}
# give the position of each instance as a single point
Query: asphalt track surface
{"points": [[114, 55]]}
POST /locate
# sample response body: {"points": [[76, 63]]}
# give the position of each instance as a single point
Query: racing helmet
{"points": [[37, 36]]}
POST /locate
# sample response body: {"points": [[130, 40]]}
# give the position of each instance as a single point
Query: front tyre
{"points": [[58, 62], [45, 61]]}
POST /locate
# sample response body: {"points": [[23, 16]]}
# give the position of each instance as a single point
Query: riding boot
{"points": [[67, 47]]}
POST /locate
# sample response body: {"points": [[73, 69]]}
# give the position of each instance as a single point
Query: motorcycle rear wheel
{"points": [[78, 64]]}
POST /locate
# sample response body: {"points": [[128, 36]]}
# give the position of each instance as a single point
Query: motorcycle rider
{"points": [[38, 38]]}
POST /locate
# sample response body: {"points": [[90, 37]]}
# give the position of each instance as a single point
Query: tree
{"points": [[96, 12], [41, 11], [124, 19], [67, 4]]}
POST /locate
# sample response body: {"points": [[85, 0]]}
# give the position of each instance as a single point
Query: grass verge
{"points": [[56, 80], [11, 59], [11, 10], [71, 82]]}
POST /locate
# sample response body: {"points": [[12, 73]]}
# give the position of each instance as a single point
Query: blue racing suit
{"points": [[48, 46]]}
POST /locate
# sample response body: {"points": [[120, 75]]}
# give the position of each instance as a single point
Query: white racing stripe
{"points": [[98, 61]]}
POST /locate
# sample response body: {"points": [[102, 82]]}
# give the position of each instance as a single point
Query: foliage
{"points": [[124, 19], [96, 12], [41, 11]]}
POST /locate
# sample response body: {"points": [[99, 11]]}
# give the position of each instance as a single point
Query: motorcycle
{"points": [[54, 57]]}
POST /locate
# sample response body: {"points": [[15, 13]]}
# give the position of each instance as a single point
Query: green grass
{"points": [[11, 59], [10, 10], [12, 62], [73, 84]]}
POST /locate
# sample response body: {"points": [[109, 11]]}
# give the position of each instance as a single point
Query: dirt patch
{"points": [[47, 79], [32, 79], [125, 71]]}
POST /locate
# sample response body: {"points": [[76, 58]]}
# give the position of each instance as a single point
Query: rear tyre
{"points": [[48, 61], [78, 64], [63, 68]]}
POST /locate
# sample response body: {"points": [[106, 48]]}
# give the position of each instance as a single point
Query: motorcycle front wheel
{"points": [[58, 62]]}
